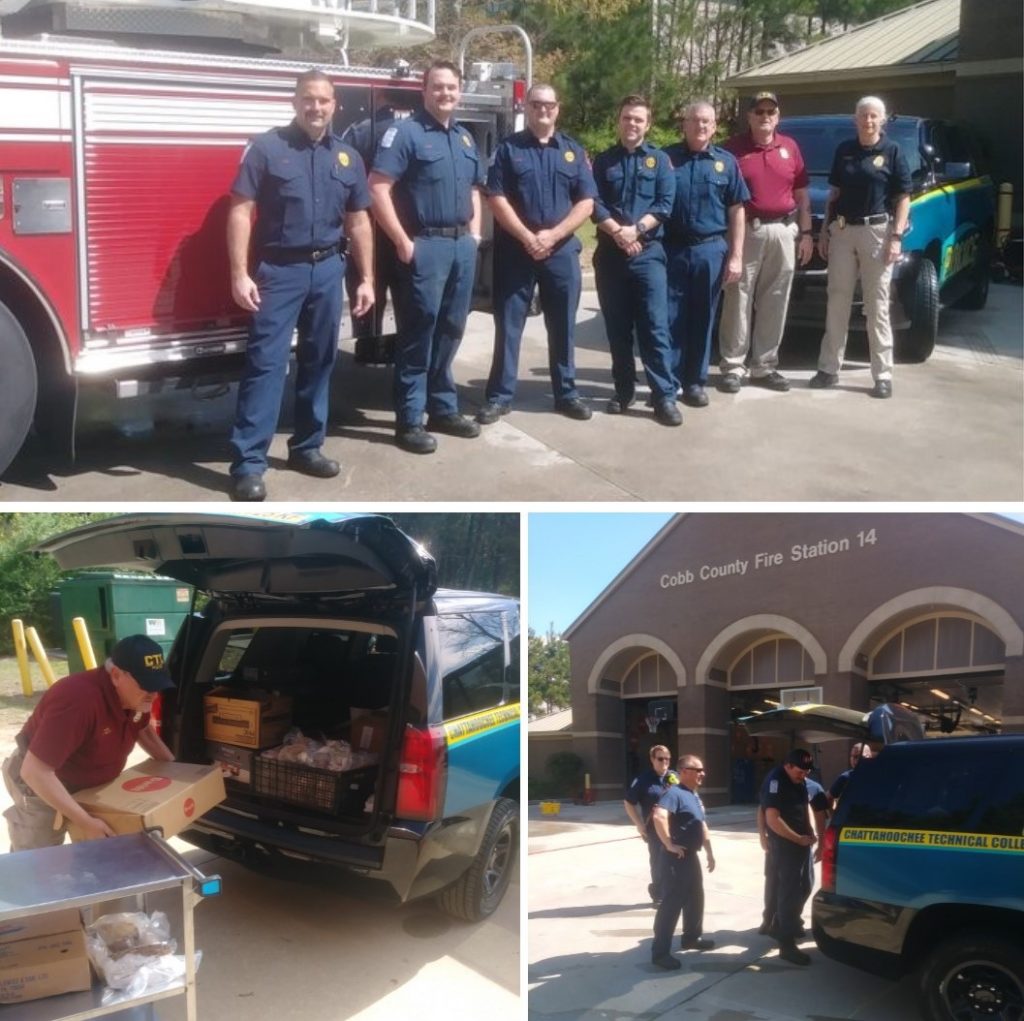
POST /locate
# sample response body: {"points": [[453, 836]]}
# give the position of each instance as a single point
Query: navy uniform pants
{"points": [[306, 296], [770, 893], [632, 293], [559, 281], [655, 851], [694, 287], [791, 876], [682, 892], [434, 293]]}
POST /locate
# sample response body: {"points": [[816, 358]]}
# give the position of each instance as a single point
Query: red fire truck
{"points": [[115, 166]]}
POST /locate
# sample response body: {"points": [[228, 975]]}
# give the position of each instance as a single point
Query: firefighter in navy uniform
{"points": [[309, 193], [635, 190], [681, 826], [540, 190], [425, 184], [787, 815], [703, 243], [643, 794]]}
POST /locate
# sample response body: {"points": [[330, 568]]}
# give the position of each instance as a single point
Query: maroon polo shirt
{"points": [[80, 730], [772, 172]]}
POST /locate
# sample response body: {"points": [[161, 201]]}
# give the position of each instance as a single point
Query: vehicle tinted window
{"points": [[942, 793], [473, 662]]}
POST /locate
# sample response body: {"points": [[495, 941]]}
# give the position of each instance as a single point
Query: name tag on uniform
{"points": [[773, 787]]}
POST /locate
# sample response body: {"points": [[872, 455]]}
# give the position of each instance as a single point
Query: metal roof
{"points": [[918, 36]]}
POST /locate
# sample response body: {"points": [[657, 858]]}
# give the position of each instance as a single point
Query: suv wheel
{"points": [[973, 976], [478, 892], [920, 297]]}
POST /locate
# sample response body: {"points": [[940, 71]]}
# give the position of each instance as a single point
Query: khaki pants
{"points": [[769, 261], [852, 252], [30, 819]]}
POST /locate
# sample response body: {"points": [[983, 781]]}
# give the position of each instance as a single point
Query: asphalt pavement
{"points": [[590, 928], [953, 431]]}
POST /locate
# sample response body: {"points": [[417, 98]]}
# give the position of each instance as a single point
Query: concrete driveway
{"points": [[954, 431], [590, 928]]}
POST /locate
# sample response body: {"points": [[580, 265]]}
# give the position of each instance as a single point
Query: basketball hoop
{"points": [[652, 724]]}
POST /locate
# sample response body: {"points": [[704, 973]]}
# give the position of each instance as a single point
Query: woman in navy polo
{"points": [[865, 220]]}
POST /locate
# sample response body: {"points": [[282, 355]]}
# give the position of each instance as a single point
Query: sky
{"points": [[574, 556]]}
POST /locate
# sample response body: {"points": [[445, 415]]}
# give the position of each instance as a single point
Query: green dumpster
{"points": [[116, 605]]}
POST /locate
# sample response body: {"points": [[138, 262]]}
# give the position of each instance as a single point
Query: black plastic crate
{"points": [[322, 789]]}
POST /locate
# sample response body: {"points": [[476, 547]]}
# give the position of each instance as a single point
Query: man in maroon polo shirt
{"points": [[80, 735], [778, 229]]}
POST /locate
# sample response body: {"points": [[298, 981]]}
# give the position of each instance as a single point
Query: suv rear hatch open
{"points": [[816, 724], [314, 614]]}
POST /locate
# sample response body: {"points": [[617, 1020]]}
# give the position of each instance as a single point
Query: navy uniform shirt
{"points": [[302, 188], [541, 181], [435, 170], [647, 789], [707, 184], [630, 184], [869, 178], [685, 817], [791, 799]]}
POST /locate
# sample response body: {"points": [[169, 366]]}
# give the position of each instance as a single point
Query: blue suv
{"points": [[404, 696], [947, 254]]}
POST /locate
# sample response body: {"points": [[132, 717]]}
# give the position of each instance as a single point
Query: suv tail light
{"points": [[421, 774], [829, 855]]}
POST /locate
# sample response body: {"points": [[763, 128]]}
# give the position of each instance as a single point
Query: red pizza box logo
{"points": [[145, 784], [190, 807]]}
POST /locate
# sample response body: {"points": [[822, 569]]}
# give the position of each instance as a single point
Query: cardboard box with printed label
{"points": [[235, 763], [255, 719], [368, 730], [44, 966], [44, 924], [165, 795]]}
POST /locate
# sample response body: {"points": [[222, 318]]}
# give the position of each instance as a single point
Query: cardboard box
{"points": [[44, 966], [235, 763], [254, 719], [168, 795], [45, 924], [368, 730]]}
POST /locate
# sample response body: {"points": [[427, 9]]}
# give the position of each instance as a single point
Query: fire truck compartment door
{"points": [[42, 205]]}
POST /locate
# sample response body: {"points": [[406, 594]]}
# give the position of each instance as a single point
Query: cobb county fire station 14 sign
{"points": [[764, 560]]}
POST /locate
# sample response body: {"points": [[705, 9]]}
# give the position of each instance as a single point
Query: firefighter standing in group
{"points": [[425, 183], [309, 193]]}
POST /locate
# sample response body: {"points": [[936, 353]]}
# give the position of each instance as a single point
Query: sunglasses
{"points": [[540, 104], [768, 112]]}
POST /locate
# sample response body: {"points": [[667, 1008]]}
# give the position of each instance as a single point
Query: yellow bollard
{"points": [[84, 644], [40, 654], [21, 652], [1004, 214]]}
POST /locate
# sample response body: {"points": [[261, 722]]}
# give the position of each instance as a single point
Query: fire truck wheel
{"points": [[17, 387]]}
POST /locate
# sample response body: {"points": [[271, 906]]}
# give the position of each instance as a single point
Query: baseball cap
{"points": [[141, 657], [800, 757], [761, 97]]}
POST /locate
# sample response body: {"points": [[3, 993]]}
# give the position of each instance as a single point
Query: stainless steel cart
{"points": [[140, 866]]}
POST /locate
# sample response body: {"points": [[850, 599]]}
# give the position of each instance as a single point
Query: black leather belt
{"points": [[862, 221], [289, 256], [443, 232], [787, 219]]}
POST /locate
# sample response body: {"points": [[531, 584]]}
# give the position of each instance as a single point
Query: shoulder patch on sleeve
{"points": [[389, 137], [773, 787]]}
